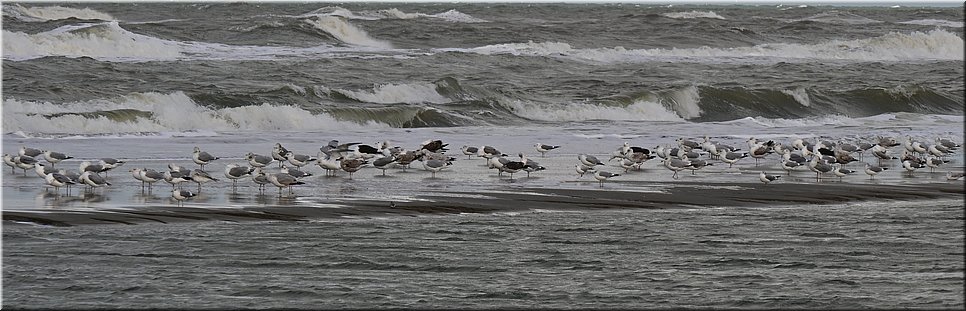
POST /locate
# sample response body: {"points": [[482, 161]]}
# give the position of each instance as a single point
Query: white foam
{"points": [[458, 17], [99, 41], [414, 93], [800, 95], [934, 22], [693, 14], [936, 44], [49, 13], [641, 110], [346, 32], [685, 102], [174, 112]]}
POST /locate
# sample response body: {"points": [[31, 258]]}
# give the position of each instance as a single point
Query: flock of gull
{"points": [[821, 157]]}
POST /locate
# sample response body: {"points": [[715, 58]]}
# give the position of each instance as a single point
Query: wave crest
{"points": [[344, 31], [156, 112], [49, 13], [103, 41], [936, 44], [398, 93], [693, 14]]}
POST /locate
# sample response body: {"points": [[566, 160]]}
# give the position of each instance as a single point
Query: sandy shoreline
{"points": [[670, 195]]}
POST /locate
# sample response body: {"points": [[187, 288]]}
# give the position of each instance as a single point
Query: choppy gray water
{"points": [[870, 255], [147, 82]]}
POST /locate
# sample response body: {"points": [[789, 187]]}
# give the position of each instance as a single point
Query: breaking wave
{"points": [[344, 31], [934, 22], [393, 13], [49, 13], [936, 44], [100, 41], [398, 93], [156, 112], [838, 17], [693, 14]]}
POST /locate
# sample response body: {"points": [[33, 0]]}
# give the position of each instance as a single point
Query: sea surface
{"points": [[147, 82]]}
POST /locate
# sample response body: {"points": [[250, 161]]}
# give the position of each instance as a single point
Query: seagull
{"points": [[328, 164], [282, 180], [932, 163], [59, 180], [676, 165], [950, 176], [93, 180], [383, 163], [260, 178], [30, 152], [8, 159], [201, 177], [299, 160], [136, 173], [86, 166], [109, 163], [731, 157], [25, 162], [201, 158], [588, 160], [42, 170], [789, 165], [294, 172], [911, 167], [433, 145], [181, 195], [601, 176], [334, 149], [698, 164], [150, 176], [256, 160], [351, 165], [175, 177], [435, 165], [842, 172], [873, 170], [766, 178], [490, 152], [469, 151], [55, 157], [236, 172], [543, 149], [278, 154], [583, 169]]}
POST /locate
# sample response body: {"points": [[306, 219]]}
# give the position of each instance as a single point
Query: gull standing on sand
{"points": [[950, 176], [588, 160], [469, 151], [383, 163], [93, 180], [873, 170], [236, 172], [55, 157], [201, 158], [601, 176], [25, 163], [435, 165], [294, 172], [58, 180], [176, 177], [842, 172], [299, 160], [30, 152], [42, 170], [282, 180], [351, 165], [201, 177], [150, 176], [328, 163], [181, 195], [581, 169], [8, 159], [278, 153], [543, 149], [260, 178], [766, 178], [256, 160], [676, 165]]}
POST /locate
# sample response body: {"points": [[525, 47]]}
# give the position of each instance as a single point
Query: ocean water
{"points": [[147, 82]]}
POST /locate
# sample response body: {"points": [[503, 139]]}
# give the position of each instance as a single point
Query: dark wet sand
{"points": [[673, 195]]}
